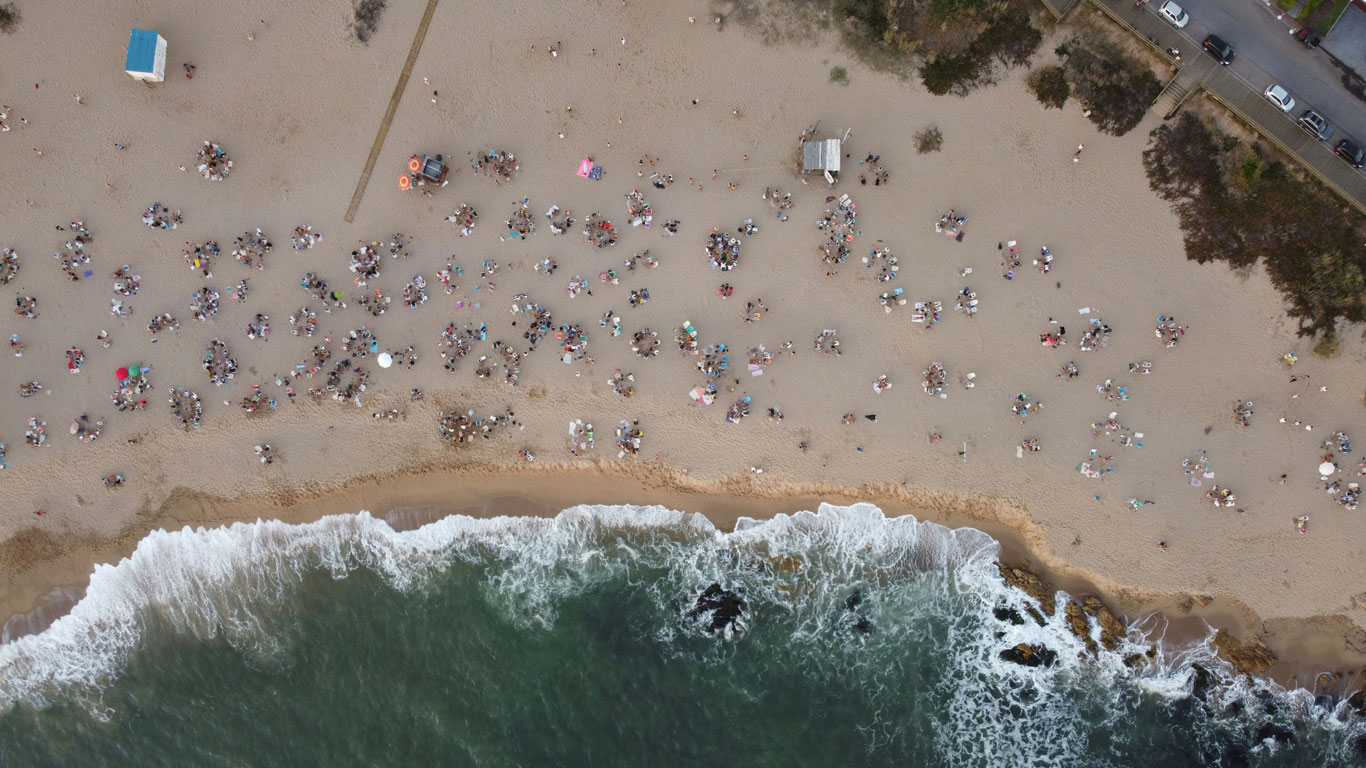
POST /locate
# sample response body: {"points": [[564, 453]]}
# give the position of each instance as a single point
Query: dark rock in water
{"points": [[724, 606], [1235, 756], [1277, 733], [851, 602], [1357, 702], [856, 623], [1202, 681], [1324, 700], [1235, 708], [1029, 655], [1008, 614], [1269, 704], [1359, 746], [1035, 615]]}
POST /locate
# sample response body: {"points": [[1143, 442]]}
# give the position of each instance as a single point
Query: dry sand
{"points": [[296, 105]]}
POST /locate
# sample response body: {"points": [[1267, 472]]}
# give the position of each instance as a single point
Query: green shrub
{"points": [[1117, 89], [1007, 40], [954, 45], [365, 15], [839, 75], [928, 139], [1049, 84], [9, 17]]}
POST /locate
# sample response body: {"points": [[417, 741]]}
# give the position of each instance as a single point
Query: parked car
{"points": [[1308, 36], [1314, 123], [1280, 97], [1173, 14], [1219, 49], [1350, 152]]}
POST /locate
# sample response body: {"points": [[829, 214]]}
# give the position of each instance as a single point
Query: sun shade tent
{"points": [[821, 156], [146, 56]]}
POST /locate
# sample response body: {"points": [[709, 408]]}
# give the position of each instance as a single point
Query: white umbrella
{"points": [[1327, 468], [385, 359]]}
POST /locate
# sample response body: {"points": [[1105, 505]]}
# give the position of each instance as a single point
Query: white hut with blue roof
{"points": [[146, 56]]}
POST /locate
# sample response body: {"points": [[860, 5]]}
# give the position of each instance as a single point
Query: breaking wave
{"points": [[850, 589]]}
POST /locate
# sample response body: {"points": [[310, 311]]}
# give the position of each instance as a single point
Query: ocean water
{"points": [[575, 641]]}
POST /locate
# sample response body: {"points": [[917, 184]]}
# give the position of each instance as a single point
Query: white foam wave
{"points": [[238, 583]]}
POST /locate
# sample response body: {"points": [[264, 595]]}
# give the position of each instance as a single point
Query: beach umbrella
{"points": [[121, 374], [1327, 468], [385, 359], [133, 370]]}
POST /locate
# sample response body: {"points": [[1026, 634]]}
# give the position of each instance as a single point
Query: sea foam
{"points": [[239, 582]]}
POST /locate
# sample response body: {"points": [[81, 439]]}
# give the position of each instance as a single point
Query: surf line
{"points": [[393, 107]]}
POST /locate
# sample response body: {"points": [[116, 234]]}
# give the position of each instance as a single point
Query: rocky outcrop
{"points": [[1251, 657], [1078, 613], [1030, 584], [723, 606], [1030, 655]]}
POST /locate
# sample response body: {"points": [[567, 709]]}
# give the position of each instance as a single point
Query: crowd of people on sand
{"points": [[213, 162], [336, 366], [160, 216]]}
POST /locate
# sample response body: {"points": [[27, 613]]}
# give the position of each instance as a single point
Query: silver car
{"points": [[1174, 14], [1280, 97]]}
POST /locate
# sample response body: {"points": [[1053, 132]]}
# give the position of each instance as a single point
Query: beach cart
{"points": [[424, 169]]}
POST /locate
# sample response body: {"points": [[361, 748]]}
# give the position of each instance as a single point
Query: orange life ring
{"points": [[414, 164], [405, 182]]}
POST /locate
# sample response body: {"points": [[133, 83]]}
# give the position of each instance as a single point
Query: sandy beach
{"points": [[296, 104]]}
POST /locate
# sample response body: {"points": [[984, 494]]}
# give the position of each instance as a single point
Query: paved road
{"points": [[1268, 53]]}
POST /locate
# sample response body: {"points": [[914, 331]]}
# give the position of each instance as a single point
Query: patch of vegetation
{"points": [[1308, 8], [839, 75], [1328, 14], [1115, 88], [1286, 4], [1007, 40], [928, 139], [955, 45], [365, 18], [1049, 84], [9, 17], [1242, 207]]}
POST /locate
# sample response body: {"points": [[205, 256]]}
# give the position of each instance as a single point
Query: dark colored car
{"points": [[1219, 49], [1351, 153], [1309, 37]]}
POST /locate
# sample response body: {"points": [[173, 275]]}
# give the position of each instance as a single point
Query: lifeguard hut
{"points": [[823, 156], [146, 56]]}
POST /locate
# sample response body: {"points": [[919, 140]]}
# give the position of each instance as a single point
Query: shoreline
{"points": [[44, 585]]}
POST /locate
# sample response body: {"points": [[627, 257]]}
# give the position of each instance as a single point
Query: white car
{"points": [[1280, 97], [1174, 14]]}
